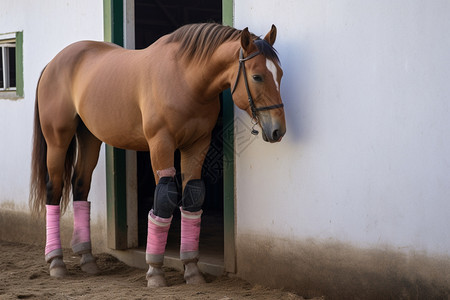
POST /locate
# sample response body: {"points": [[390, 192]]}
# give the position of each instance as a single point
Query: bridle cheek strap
{"points": [[253, 108], [242, 60]]}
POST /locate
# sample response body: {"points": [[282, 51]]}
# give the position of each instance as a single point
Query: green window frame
{"points": [[11, 65]]}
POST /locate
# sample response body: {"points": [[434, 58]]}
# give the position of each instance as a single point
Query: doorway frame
{"points": [[116, 22]]}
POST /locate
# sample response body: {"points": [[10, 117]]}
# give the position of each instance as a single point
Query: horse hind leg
{"points": [[53, 249], [56, 161], [88, 151], [81, 239]]}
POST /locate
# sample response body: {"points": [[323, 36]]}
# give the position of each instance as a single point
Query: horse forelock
{"points": [[267, 50], [199, 41]]}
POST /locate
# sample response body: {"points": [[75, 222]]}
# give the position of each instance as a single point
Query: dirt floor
{"points": [[24, 275]]}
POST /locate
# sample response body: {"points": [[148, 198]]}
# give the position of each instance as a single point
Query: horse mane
{"points": [[199, 41]]}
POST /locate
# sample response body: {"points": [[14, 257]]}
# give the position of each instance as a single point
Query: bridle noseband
{"points": [[253, 108]]}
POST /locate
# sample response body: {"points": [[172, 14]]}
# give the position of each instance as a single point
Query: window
{"points": [[11, 75], [8, 66]]}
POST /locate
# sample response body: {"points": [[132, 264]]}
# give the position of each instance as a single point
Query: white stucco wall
{"points": [[365, 160], [48, 26]]}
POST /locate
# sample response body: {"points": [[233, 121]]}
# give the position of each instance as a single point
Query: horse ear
{"points": [[271, 35], [246, 40]]}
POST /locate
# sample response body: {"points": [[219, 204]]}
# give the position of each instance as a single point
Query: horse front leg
{"points": [[191, 208], [190, 237], [165, 200]]}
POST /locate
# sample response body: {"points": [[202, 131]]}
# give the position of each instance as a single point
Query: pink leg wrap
{"points": [[169, 172], [81, 239], [158, 229], [53, 243], [190, 234]]}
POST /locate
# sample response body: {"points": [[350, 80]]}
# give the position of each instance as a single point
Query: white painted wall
{"points": [[366, 157], [48, 26]]}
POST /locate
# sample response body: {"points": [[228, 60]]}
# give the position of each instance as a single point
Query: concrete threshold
{"points": [[209, 263]]}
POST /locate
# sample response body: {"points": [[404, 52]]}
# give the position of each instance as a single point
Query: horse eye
{"points": [[257, 78]]}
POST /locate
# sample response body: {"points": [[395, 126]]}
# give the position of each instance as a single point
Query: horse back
{"points": [[93, 81]]}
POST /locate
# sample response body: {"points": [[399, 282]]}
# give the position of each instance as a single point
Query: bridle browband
{"points": [[253, 108]]}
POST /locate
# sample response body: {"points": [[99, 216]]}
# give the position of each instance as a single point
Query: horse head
{"points": [[259, 94]]}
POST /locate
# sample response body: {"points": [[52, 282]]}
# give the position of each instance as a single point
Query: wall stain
{"points": [[338, 271]]}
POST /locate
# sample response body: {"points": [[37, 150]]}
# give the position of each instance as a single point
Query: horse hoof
{"points": [[88, 264], [155, 277], [197, 279], [90, 268], [57, 268], [58, 272], [192, 274], [156, 281]]}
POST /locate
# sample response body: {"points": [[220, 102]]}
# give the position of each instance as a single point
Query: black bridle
{"points": [[253, 108]]}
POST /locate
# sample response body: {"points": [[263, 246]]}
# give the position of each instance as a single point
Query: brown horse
{"points": [[159, 99]]}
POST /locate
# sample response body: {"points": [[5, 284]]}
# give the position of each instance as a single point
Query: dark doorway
{"points": [[153, 19]]}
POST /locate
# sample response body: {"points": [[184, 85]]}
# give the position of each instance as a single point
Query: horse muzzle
{"points": [[272, 132]]}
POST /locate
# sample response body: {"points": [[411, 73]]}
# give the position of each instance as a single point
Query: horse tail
{"points": [[38, 162], [39, 171]]}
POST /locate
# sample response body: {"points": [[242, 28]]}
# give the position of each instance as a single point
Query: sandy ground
{"points": [[24, 275]]}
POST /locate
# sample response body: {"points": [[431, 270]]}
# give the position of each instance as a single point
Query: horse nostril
{"points": [[276, 135]]}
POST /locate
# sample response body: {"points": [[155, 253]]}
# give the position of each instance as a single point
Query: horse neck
{"points": [[212, 76]]}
